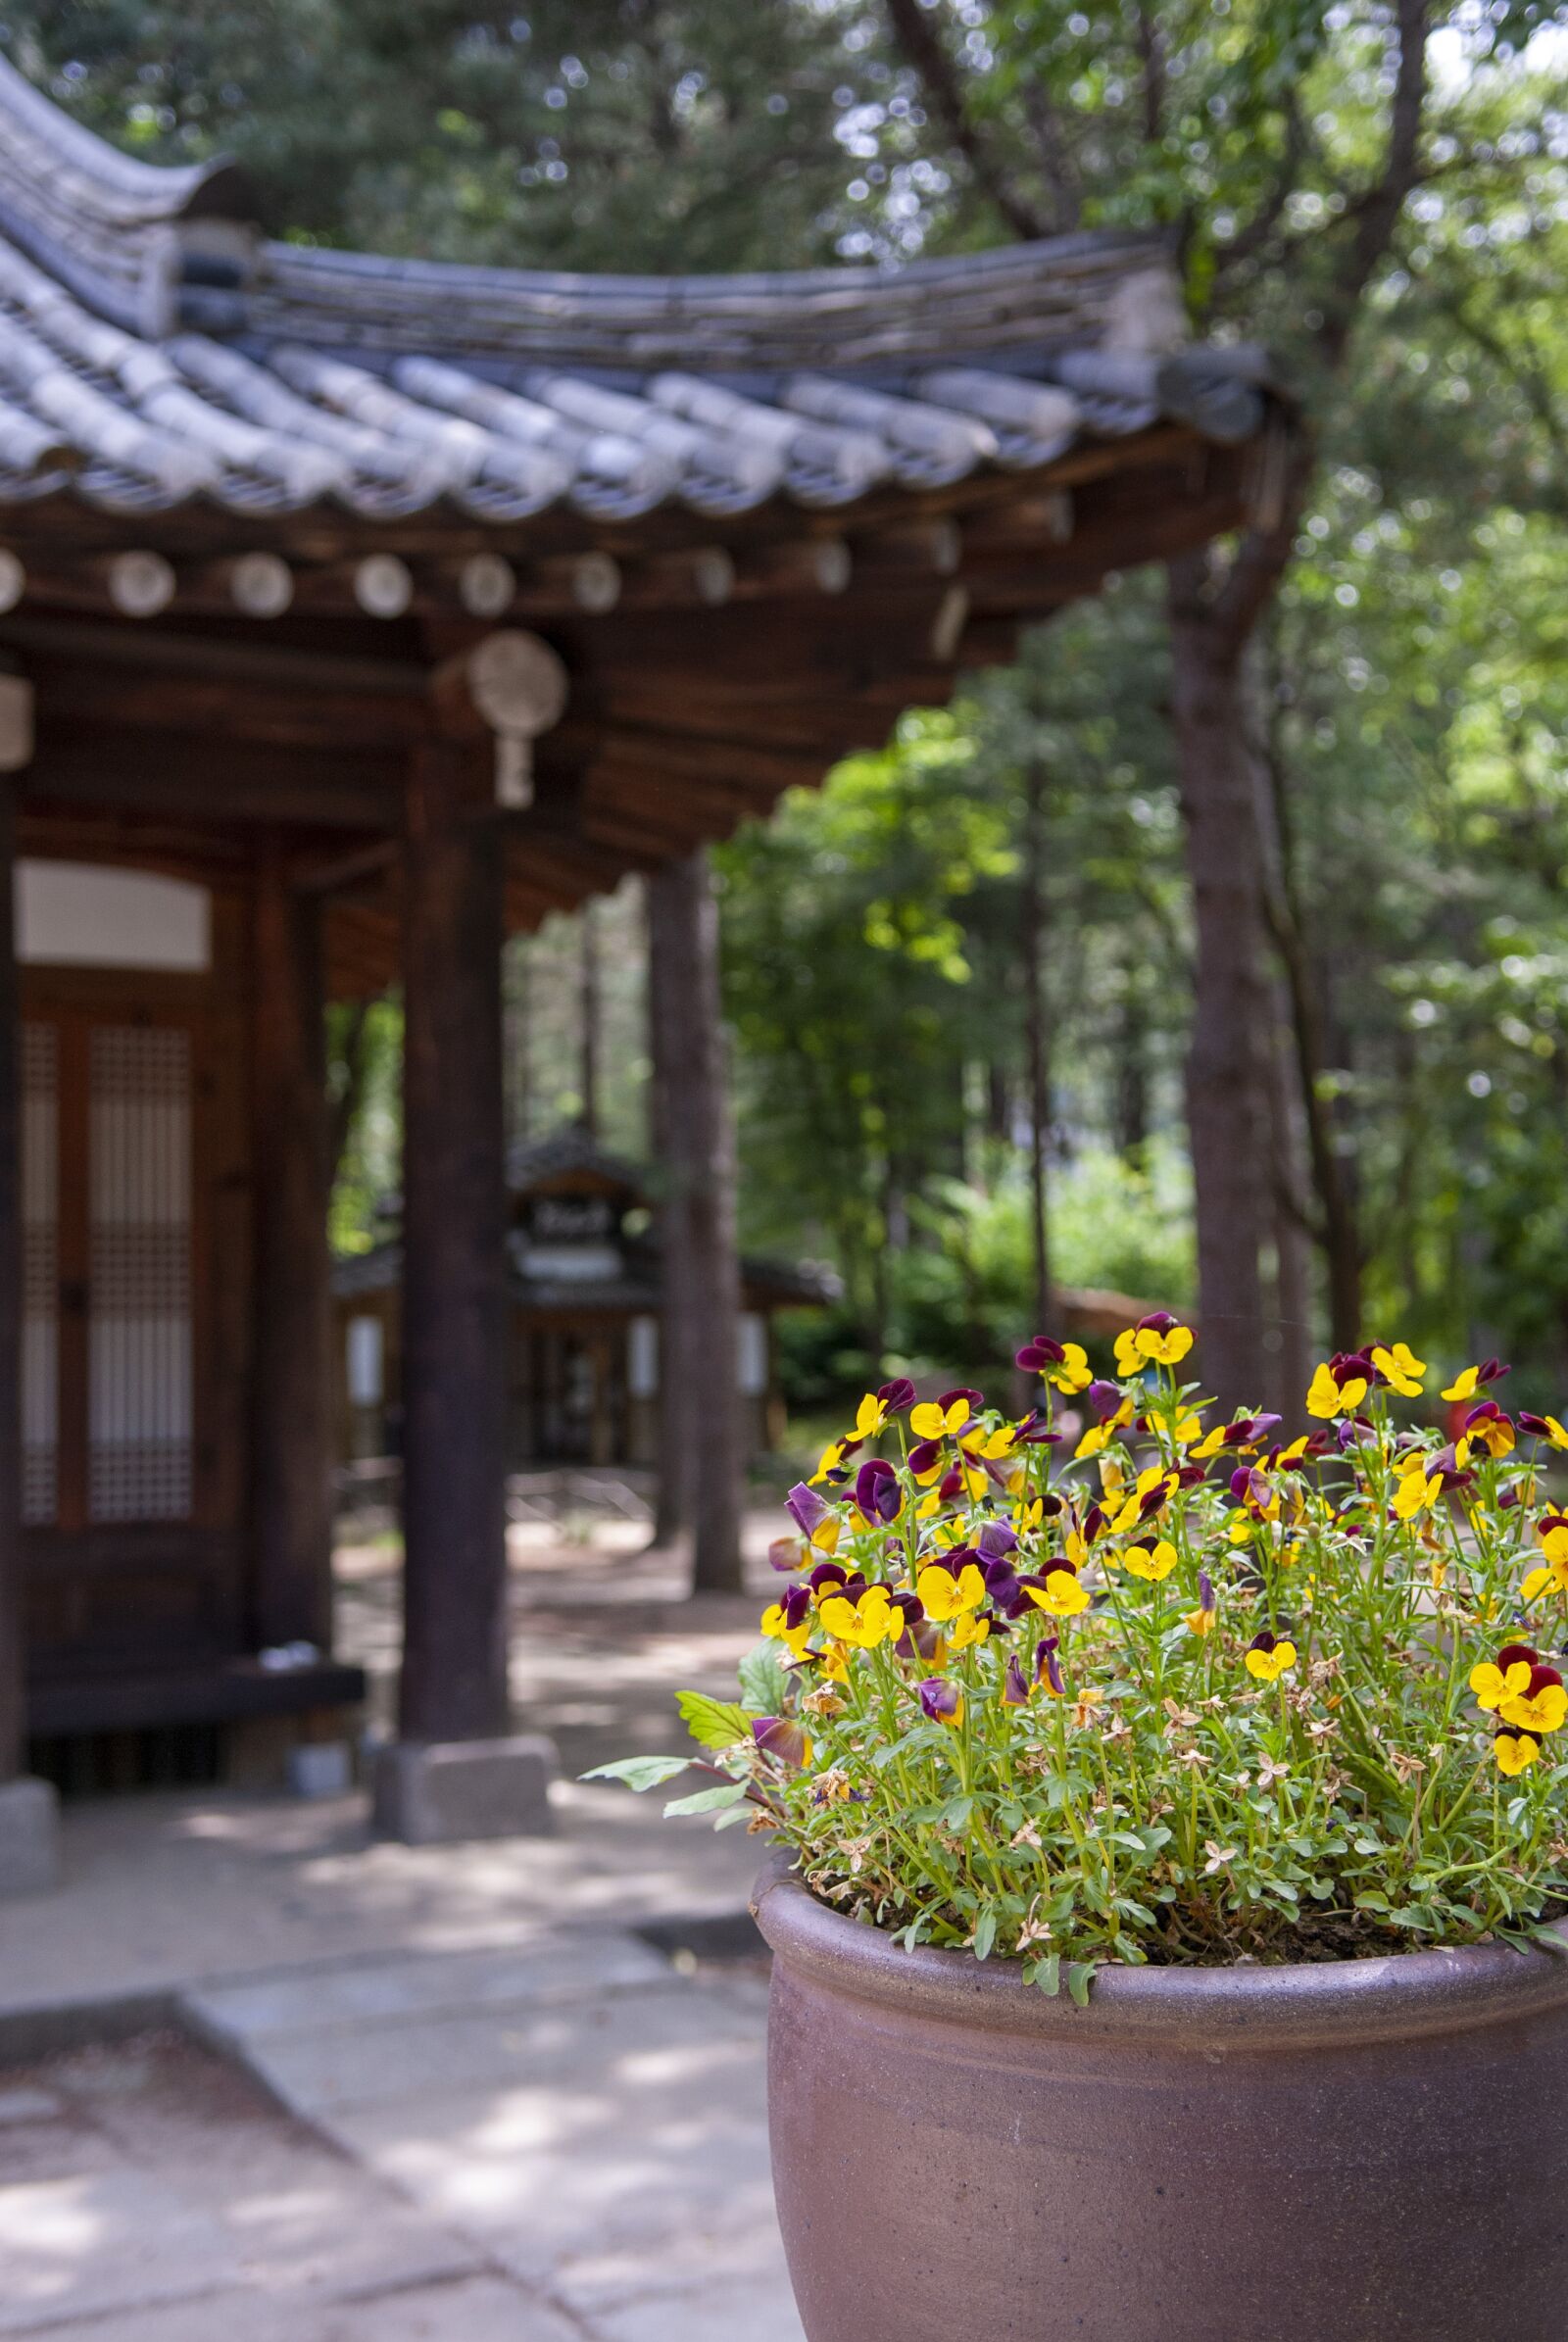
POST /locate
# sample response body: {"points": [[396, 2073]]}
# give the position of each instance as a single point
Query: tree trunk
{"points": [[1291, 1335], [1226, 1099], [588, 1015], [1131, 1103], [1338, 1230], [518, 1040], [1035, 1038], [700, 1323]]}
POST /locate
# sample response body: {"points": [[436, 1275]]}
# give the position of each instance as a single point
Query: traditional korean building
{"points": [[585, 1295], [352, 612]]}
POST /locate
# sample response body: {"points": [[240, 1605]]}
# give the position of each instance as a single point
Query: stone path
{"points": [[457, 2096]]}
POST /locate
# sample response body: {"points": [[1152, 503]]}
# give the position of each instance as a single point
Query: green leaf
{"points": [[1047, 1974], [708, 1801], [1080, 1975], [984, 1934], [764, 1679], [640, 1772], [712, 1723]]}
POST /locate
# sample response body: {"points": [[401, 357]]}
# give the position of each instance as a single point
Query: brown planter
{"points": [[1316, 2153]]}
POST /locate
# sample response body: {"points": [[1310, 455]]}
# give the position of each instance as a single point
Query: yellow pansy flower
{"points": [[1514, 1750], [1150, 1561], [776, 1627], [1552, 1573], [1326, 1398], [1506, 1678], [1159, 1341], [1061, 1594], [928, 1421], [866, 1623], [966, 1629], [943, 1595], [870, 1416], [1542, 1708], [831, 1457], [1401, 1368], [1268, 1658], [1415, 1492]]}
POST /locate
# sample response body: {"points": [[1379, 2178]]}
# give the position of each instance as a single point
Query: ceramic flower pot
{"points": [[1336, 2152]]}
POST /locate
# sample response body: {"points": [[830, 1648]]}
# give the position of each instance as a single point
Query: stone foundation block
{"points": [[438, 1792], [29, 1838]]}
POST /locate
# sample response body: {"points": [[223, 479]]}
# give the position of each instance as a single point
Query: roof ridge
{"points": [[120, 189]]}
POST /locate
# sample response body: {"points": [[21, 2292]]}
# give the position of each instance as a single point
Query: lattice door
{"points": [[139, 1402], [108, 1348]]}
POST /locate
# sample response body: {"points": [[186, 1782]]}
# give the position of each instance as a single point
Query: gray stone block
{"points": [[29, 1838], [438, 1792]]}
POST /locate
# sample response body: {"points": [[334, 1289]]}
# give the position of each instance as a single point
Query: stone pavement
{"points": [[460, 2096]]}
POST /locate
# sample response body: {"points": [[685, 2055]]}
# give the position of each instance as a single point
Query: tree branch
{"points": [[926, 54], [1377, 210]]}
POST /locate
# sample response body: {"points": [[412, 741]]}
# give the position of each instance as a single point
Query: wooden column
{"points": [[292, 1440], [700, 1336], [13, 1717], [454, 1248]]}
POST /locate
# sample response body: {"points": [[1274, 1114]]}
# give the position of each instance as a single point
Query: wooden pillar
{"points": [[453, 1251], [700, 1339], [13, 1718], [292, 1403]]}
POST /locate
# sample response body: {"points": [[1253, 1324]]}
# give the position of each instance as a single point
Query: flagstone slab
{"points": [[392, 1989]]}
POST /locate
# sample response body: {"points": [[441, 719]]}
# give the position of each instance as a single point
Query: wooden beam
{"points": [[454, 1684], [12, 1715], [798, 567], [157, 771], [695, 755], [82, 642], [224, 708], [291, 1386]]}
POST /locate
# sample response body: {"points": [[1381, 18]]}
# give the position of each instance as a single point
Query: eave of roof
{"points": [[156, 354]]}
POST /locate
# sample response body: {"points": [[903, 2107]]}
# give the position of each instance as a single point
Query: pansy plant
{"points": [[1118, 1679]]}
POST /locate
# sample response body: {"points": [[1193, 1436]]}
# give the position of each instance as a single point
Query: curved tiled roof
{"points": [[156, 351]]}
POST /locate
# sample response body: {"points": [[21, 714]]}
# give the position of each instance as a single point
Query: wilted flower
{"points": [[815, 1519], [942, 1700], [782, 1737], [1048, 1667], [1202, 1620]]}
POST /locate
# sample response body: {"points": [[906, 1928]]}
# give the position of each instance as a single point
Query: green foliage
{"points": [[1410, 689], [712, 1723], [641, 1773], [1188, 1696]]}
